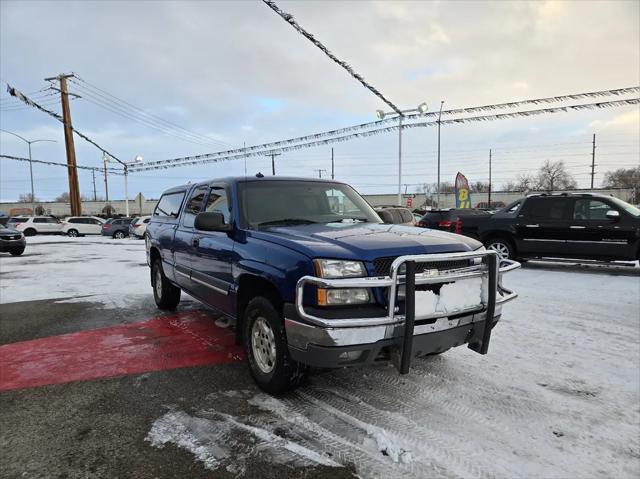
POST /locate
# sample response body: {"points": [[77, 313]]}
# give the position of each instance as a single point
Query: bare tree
{"points": [[522, 182], [27, 198], [624, 178], [553, 175], [63, 197]]}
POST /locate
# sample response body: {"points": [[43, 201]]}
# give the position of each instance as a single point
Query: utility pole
{"points": [[332, 166], [106, 185], [95, 195], [593, 160], [439, 116], [273, 162], [489, 200], [74, 188], [400, 159]]}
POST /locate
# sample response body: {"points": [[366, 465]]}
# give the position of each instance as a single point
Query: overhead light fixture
{"points": [[379, 114], [423, 107]]}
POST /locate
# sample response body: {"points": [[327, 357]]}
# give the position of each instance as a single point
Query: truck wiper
{"points": [[287, 221]]}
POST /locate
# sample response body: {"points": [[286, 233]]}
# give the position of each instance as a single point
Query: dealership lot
{"points": [[96, 381]]}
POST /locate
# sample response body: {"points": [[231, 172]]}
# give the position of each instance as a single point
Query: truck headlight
{"points": [[338, 268], [338, 297]]}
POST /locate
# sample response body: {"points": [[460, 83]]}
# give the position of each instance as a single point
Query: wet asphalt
{"points": [[97, 429]]}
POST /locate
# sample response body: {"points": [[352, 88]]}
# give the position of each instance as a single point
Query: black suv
{"points": [[569, 225]]}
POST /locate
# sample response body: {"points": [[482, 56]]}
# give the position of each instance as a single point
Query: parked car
{"points": [[117, 228], [12, 241], [312, 278], [82, 225], [396, 215], [568, 225], [138, 227], [448, 219], [32, 225]]}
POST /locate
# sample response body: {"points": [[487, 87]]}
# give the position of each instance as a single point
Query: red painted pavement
{"points": [[169, 342]]}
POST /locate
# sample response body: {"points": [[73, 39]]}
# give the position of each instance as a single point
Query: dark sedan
{"points": [[12, 241], [448, 219], [117, 228]]}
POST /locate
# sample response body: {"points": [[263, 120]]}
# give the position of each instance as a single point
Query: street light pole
{"points": [[28, 142], [126, 189], [422, 108], [439, 116], [33, 195]]}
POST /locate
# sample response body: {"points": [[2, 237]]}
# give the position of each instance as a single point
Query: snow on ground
{"points": [[558, 395], [92, 268]]}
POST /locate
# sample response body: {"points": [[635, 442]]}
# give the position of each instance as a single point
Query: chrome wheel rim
{"points": [[158, 283], [119, 235], [501, 249], [73, 233], [263, 345]]}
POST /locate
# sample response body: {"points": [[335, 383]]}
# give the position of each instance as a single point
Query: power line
{"points": [[291, 21], [97, 91], [129, 114], [253, 151]]}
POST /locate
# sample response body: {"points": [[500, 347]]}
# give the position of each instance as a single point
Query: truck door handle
{"points": [[195, 242], [532, 226], [573, 227]]}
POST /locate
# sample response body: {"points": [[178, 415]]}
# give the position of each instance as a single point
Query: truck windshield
{"points": [[276, 203], [632, 210]]}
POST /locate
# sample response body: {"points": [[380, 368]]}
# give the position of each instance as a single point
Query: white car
{"points": [[82, 225], [32, 225], [138, 227]]}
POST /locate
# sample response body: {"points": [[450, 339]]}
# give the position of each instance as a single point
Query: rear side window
{"points": [[194, 206], [75, 220], [146, 220], [169, 205]]}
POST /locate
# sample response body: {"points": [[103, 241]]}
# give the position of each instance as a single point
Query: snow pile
{"points": [[216, 441], [453, 297]]}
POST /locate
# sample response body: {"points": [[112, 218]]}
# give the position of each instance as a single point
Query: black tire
{"points": [[119, 235], [16, 252], [73, 233], [285, 373], [165, 293], [502, 246], [29, 232]]}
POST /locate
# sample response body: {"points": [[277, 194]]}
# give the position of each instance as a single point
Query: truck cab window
{"points": [[218, 203], [193, 207], [590, 210], [169, 205]]}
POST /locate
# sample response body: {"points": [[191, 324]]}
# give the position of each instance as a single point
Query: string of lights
{"points": [[113, 171], [287, 17], [20, 96], [265, 149]]}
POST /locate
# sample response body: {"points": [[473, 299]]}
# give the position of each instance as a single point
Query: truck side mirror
{"points": [[211, 222], [613, 215]]}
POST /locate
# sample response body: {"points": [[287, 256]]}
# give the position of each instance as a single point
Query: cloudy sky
{"points": [[234, 73]]}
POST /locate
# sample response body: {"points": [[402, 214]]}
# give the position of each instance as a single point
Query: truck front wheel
{"points": [[266, 346], [166, 295]]}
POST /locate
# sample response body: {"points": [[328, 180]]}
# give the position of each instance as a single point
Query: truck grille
{"points": [[9, 238], [383, 265]]}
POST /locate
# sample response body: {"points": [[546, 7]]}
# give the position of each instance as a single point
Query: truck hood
{"points": [[364, 241]]}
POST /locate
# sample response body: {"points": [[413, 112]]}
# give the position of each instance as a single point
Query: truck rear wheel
{"points": [[166, 294], [266, 346]]}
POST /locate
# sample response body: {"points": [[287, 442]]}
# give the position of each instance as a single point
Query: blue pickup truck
{"points": [[312, 278]]}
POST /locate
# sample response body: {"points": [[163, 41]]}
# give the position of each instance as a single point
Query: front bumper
{"points": [[346, 341], [7, 246]]}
